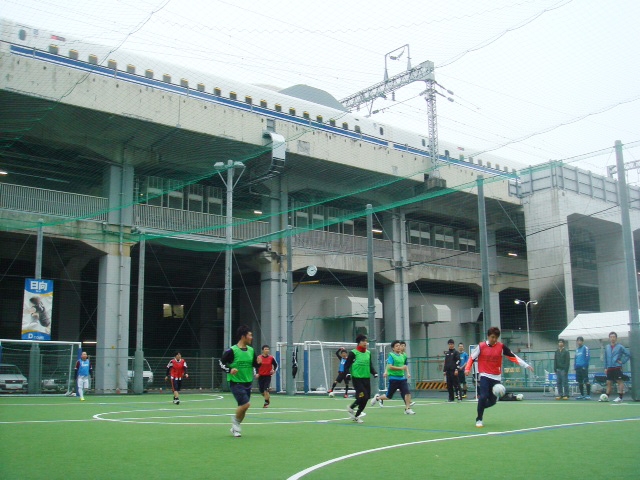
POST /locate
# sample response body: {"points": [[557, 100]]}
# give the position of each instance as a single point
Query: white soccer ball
{"points": [[604, 397], [520, 397], [499, 390], [331, 394]]}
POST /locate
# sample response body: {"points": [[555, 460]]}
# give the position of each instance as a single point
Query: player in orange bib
{"points": [[176, 370], [489, 357]]}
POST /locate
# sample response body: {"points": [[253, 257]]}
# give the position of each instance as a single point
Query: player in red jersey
{"points": [[489, 356], [267, 369], [176, 369]]}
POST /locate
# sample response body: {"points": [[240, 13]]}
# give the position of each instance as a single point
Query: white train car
{"points": [[300, 105]]}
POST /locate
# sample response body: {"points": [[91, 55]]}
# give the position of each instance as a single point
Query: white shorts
{"points": [[83, 382]]}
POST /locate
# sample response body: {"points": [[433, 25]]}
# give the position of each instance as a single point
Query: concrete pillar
{"points": [[612, 291], [549, 261], [396, 295], [270, 293], [118, 187], [494, 295], [114, 283]]}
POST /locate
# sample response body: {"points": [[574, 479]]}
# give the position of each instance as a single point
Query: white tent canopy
{"points": [[596, 326]]}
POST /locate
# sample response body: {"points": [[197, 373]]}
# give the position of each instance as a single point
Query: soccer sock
{"points": [[333, 386], [588, 389]]}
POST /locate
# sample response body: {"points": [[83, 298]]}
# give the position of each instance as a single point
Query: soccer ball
{"points": [[499, 390], [331, 394], [520, 397], [604, 397]]}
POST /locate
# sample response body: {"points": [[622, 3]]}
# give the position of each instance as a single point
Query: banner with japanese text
{"points": [[36, 311]]}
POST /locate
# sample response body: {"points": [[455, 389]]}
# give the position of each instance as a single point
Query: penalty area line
{"points": [[318, 466]]}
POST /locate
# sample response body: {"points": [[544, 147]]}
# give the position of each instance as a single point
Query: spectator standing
{"points": [[581, 364], [615, 355], [451, 366], [561, 364]]}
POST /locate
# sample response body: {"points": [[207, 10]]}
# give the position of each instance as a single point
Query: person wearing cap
{"points": [[451, 366], [581, 364]]}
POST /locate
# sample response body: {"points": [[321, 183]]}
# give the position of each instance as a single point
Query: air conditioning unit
{"points": [[470, 315]]}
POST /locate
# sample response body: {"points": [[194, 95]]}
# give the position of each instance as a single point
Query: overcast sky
{"points": [[533, 80]]}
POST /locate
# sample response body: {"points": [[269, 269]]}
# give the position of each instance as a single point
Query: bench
{"points": [[594, 378]]}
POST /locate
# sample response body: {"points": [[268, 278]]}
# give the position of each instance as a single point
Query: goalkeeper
{"points": [[342, 355], [360, 366]]}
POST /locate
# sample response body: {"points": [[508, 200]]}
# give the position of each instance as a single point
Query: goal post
{"points": [[318, 365], [37, 367]]}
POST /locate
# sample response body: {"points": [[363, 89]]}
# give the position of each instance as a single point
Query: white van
{"points": [[147, 374], [12, 379]]}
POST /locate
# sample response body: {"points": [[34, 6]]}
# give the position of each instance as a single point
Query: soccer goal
{"points": [[317, 365], [37, 367]]}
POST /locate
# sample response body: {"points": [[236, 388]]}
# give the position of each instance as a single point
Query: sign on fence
{"points": [[36, 309]]}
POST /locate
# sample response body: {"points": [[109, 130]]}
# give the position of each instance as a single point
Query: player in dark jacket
{"points": [[450, 369]]}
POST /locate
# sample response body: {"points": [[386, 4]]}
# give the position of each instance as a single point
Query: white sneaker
{"points": [[408, 411], [618, 400], [352, 413], [412, 404], [374, 399], [236, 426], [358, 419], [235, 433], [479, 424]]}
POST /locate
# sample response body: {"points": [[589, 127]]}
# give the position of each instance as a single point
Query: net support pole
{"points": [[38, 272], [371, 292], [484, 258], [138, 361], [290, 380], [632, 281]]}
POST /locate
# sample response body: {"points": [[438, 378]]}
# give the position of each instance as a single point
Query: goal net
{"points": [[37, 367], [317, 366]]}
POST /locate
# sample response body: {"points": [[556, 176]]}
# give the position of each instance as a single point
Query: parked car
{"points": [[12, 379], [147, 374], [55, 382]]}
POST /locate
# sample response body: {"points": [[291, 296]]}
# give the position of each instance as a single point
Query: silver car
{"points": [[12, 379]]}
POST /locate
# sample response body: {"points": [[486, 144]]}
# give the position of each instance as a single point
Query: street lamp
{"points": [[231, 167], [526, 311]]}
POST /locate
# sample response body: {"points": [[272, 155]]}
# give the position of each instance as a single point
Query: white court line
{"points": [[271, 411], [420, 442], [76, 400]]}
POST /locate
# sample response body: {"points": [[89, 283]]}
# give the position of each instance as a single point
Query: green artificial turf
{"points": [[139, 437]]}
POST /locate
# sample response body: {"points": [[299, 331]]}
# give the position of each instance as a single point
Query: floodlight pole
{"points": [[231, 166], [526, 311]]}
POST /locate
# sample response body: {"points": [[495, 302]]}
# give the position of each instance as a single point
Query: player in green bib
{"points": [[239, 363], [360, 368], [398, 374]]}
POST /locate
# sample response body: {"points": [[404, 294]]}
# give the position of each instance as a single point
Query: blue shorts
{"points": [[395, 385], [241, 392]]}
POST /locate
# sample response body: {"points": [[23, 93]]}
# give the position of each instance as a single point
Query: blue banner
{"points": [[37, 308]]}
